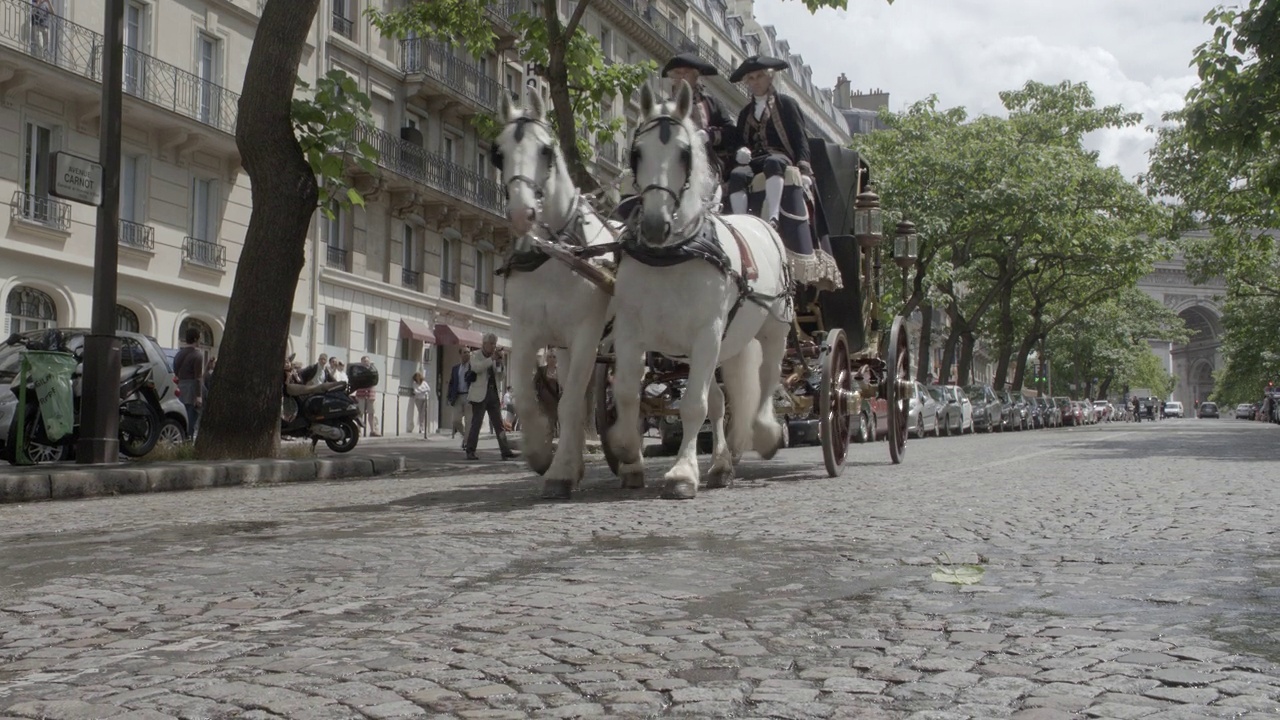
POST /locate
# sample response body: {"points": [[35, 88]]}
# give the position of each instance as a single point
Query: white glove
{"points": [[703, 137], [744, 156]]}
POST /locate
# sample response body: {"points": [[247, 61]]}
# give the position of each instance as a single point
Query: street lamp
{"points": [[868, 225], [905, 245]]}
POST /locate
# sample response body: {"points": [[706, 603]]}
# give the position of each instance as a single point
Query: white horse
{"points": [[551, 304], [715, 290]]}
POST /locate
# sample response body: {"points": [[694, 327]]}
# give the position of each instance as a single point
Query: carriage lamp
{"points": [[905, 244], [868, 225]]}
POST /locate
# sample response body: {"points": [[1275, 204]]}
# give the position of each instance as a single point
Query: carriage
{"points": [[840, 363]]}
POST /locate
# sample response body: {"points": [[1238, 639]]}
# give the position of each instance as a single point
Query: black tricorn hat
{"points": [[757, 62], [689, 60]]}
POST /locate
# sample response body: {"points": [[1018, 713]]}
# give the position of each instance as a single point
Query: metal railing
{"points": [[343, 25], [137, 235], [710, 54], [437, 60], [336, 257], [40, 209], [449, 289], [504, 10], [432, 170], [608, 151], [203, 252], [78, 50], [411, 279], [667, 30], [484, 299]]}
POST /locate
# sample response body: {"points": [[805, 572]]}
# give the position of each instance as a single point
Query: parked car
{"points": [[950, 421], [1016, 416], [1173, 409], [1207, 410], [922, 415], [1101, 410], [988, 411], [956, 396], [135, 349], [1035, 418], [1066, 412], [1245, 411], [1050, 414]]}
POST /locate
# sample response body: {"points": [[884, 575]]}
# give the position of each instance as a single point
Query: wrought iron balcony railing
{"points": [[343, 26], [484, 300], [336, 257], [667, 30], [40, 209], [411, 279], [203, 252], [78, 50], [137, 235], [449, 289], [504, 10], [432, 170], [437, 60]]}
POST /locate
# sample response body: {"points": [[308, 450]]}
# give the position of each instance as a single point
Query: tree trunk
{"points": [[926, 342], [964, 369], [558, 39], [949, 354], [1005, 340], [1105, 386], [242, 418], [1020, 370]]}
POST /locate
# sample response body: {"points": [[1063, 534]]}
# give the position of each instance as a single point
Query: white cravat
{"points": [[762, 104]]}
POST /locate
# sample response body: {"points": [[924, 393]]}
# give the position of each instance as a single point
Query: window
{"points": [[336, 239], [132, 189], [449, 259], [372, 331], [330, 328], [447, 143], [135, 45], [695, 30], [344, 12], [513, 84], [411, 262], [132, 352], [37, 206], [208, 57], [606, 42], [484, 281], [204, 213], [29, 309], [127, 319], [335, 330]]}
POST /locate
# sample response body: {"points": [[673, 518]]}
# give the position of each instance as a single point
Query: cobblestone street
{"points": [[1131, 571]]}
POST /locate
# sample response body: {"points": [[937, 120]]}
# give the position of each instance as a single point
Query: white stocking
{"points": [[772, 197], [738, 202]]}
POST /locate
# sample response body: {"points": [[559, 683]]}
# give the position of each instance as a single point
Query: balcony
{"points": [[137, 235], [336, 257], [437, 61], [411, 279], [484, 300], [78, 50], [204, 253], [433, 171], [607, 152], [342, 25], [671, 38], [41, 210], [449, 289]]}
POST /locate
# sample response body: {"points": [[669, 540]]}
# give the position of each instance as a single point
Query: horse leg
{"points": [[721, 472], [536, 438], [682, 479], [772, 339], [624, 436], [740, 381], [567, 467]]}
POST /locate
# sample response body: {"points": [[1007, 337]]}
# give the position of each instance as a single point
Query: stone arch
{"points": [[1204, 322], [58, 295], [147, 323], [1195, 360]]}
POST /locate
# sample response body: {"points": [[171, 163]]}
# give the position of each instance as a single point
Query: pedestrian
{"points": [[421, 395], [485, 399], [367, 400], [188, 366], [317, 373], [457, 395], [546, 385], [41, 12], [508, 410], [339, 371]]}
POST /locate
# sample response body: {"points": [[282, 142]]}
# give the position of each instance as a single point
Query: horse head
{"points": [[535, 178], [670, 170]]}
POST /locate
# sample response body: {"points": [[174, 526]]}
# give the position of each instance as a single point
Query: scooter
{"points": [[326, 411]]}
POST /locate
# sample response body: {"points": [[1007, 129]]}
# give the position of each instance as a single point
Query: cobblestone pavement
{"points": [[1131, 571]]}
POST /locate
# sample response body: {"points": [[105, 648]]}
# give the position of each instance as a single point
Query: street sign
{"points": [[76, 178]]}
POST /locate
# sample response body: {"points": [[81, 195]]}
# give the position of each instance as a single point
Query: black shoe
{"points": [[511, 456], [472, 456]]}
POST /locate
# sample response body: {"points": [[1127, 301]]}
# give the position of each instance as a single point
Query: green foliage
{"points": [[1146, 371], [1249, 348], [326, 121], [460, 22]]}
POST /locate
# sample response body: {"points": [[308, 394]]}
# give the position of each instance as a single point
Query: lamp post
{"points": [[905, 250], [868, 227], [868, 223]]}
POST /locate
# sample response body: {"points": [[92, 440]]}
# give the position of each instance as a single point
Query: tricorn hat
{"points": [[757, 62], [689, 60]]}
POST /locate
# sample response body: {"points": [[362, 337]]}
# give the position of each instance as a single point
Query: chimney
{"points": [[842, 92]]}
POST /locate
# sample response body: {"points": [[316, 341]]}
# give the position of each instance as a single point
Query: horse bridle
{"points": [[664, 123], [539, 188]]}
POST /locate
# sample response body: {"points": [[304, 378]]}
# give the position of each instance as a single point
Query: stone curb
{"points": [[74, 481]]}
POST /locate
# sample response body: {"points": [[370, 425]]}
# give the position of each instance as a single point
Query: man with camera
{"points": [[485, 399]]}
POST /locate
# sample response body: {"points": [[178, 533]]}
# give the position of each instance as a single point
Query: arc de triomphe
{"points": [[1193, 363]]}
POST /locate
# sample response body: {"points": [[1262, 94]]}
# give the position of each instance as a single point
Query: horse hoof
{"points": [[557, 489], [633, 480], [680, 490], [768, 441], [720, 478]]}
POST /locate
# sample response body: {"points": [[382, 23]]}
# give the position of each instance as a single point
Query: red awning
{"points": [[417, 330], [446, 335]]}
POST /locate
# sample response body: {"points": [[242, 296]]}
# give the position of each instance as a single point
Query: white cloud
{"points": [[1135, 53]]}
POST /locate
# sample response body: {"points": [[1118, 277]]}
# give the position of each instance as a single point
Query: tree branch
{"points": [[576, 18]]}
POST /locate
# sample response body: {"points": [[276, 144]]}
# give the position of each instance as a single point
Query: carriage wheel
{"points": [[898, 372], [837, 416], [606, 412]]}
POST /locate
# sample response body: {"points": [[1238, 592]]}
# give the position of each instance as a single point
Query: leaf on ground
{"points": [[959, 574]]}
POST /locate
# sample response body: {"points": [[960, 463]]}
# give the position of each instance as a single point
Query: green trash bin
{"points": [[50, 374]]}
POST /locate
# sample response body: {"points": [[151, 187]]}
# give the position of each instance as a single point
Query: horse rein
{"points": [[664, 123]]}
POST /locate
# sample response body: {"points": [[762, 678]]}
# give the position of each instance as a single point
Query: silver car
{"points": [[135, 349], [923, 415]]}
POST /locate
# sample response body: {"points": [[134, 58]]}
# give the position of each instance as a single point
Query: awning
{"points": [[417, 330], [446, 335]]}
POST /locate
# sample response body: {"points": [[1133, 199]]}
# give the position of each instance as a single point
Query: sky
{"points": [[1135, 53]]}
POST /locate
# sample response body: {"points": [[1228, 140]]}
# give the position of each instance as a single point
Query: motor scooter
{"points": [[326, 411]]}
